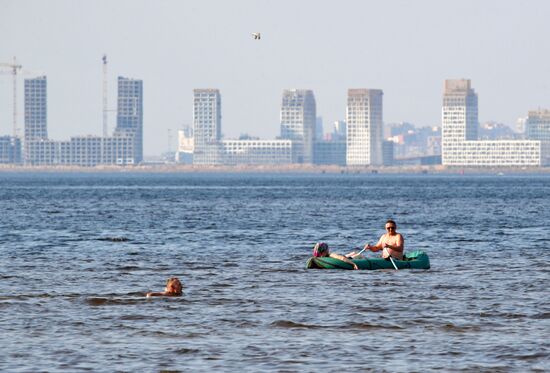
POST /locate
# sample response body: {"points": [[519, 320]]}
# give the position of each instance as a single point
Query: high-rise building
{"points": [[125, 147], [36, 113], [364, 127], [208, 148], [537, 127], [298, 123], [36, 110], [460, 118], [459, 134], [130, 114], [207, 121]]}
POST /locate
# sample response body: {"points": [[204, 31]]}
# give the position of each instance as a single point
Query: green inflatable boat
{"points": [[415, 259]]}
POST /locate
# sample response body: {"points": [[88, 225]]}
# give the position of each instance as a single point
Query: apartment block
{"points": [[298, 123], [364, 122]]}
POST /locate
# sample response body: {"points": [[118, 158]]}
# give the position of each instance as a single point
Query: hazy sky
{"points": [[406, 48]]}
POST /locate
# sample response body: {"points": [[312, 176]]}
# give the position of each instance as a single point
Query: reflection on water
{"points": [[79, 252]]}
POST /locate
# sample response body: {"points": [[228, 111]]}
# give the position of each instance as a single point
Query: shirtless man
{"points": [[392, 243]]}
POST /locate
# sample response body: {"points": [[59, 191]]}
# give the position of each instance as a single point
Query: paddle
{"points": [[364, 248], [392, 262]]}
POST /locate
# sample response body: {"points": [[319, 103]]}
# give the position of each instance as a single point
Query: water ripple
{"points": [[79, 252]]}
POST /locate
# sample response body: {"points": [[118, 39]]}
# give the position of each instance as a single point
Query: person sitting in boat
{"points": [[391, 243], [321, 250], [173, 289]]}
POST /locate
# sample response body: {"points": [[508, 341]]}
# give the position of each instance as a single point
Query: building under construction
{"points": [[124, 147]]}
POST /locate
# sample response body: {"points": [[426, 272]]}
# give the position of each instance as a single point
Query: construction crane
{"points": [[105, 100], [106, 109], [15, 68]]}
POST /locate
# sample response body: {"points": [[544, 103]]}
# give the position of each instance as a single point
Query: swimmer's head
{"points": [[173, 286]]}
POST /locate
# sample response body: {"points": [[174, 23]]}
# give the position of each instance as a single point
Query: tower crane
{"points": [[15, 68], [106, 109], [105, 101]]}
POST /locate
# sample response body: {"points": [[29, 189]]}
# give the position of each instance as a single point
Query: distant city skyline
{"points": [[406, 49]]}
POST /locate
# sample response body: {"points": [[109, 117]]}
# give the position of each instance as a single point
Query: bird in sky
{"points": [[256, 35]]}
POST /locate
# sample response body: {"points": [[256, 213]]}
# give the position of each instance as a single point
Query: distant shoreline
{"points": [[305, 169]]}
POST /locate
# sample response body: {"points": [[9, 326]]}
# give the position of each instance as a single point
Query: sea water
{"points": [[78, 252]]}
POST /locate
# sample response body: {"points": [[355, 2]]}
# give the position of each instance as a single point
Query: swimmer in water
{"points": [[173, 289]]}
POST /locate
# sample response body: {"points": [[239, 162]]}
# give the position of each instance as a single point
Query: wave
{"points": [[366, 325], [184, 351], [541, 316], [128, 268], [293, 325], [354, 325], [449, 327], [114, 239], [32, 296], [137, 317], [100, 301], [523, 357]]}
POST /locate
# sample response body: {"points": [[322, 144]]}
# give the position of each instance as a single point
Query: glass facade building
{"points": [[130, 114]]}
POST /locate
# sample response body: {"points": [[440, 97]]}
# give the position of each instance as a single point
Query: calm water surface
{"points": [[78, 252]]}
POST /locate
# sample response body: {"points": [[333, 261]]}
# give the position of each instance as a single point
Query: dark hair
{"points": [[320, 249], [391, 222]]}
